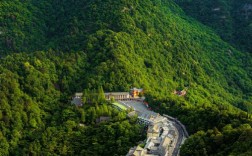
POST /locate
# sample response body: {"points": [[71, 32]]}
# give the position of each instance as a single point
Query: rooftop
{"points": [[117, 93], [79, 94], [166, 142], [148, 116], [137, 89], [136, 151], [77, 101], [102, 119], [153, 128], [158, 144]]}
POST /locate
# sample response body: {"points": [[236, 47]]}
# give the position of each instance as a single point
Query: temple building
{"points": [[135, 92], [160, 138], [117, 95], [77, 99]]}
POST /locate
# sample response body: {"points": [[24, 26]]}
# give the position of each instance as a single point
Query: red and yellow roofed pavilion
{"points": [[136, 92]]}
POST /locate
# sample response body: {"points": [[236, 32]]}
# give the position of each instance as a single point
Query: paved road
{"points": [[142, 109], [139, 107], [179, 139]]}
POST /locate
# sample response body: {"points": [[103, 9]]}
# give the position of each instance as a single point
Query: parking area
{"points": [[139, 107], [120, 106]]}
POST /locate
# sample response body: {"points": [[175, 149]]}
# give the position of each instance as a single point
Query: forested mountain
{"points": [[22, 27], [231, 19], [53, 48]]}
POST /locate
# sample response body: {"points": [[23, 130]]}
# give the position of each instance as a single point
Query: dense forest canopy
{"points": [[231, 19], [51, 49]]}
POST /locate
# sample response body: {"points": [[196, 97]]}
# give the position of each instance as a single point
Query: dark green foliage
{"points": [[94, 96], [231, 19], [22, 27], [216, 128], [114, 45], [231, 141], [36, 119]]}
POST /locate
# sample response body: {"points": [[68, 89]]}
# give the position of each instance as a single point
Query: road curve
{"points": [[179, 139], [179, 128]]}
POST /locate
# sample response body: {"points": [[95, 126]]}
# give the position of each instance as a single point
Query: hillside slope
{"points": [[231, 19], [117, 45], [159, 48], [22, 27]]}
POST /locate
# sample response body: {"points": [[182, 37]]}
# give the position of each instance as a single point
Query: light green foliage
{"points": [[93, 96], [113, 45], [120, 106]]}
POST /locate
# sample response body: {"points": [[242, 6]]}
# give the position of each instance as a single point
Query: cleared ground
{"points": [[119, 105], [138, 106]]}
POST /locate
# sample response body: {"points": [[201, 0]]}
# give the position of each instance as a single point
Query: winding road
{"points": [[180, 133], [180, 138]]}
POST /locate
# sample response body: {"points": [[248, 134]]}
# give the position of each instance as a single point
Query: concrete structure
{"points": [[132, 95], [160, 136], [146, 118], [164, 136], [153, 130], [78, 95], [164, 146], [117, 95], [77, 99], [102, 119], [180, 131], [137, 151], [178, 123]]}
